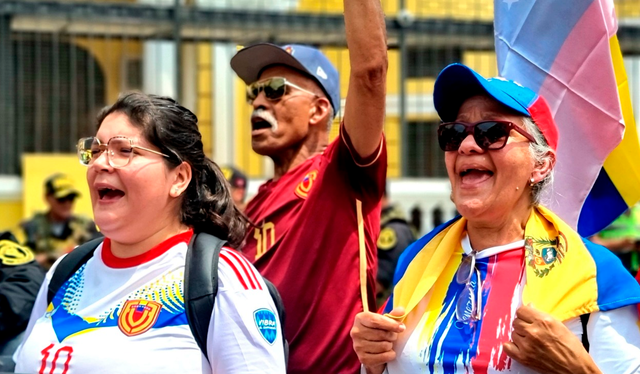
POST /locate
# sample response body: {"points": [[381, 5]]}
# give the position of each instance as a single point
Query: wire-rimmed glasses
{"points": [[469, 303], [119, 150]]}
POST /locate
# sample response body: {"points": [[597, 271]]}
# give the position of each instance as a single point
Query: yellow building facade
{"points": [[201, 93]]}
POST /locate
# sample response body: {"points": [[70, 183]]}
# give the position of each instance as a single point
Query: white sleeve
{"points": [[39, 309], [614, 340], [244, 332]]}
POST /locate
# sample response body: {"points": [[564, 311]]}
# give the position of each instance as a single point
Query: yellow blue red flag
{"points": [[568, 52]]}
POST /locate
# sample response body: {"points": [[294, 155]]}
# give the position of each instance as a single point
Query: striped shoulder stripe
{"points": [[247, 267], [245, 273]]}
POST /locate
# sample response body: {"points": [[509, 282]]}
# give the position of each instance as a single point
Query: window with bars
{"points": [[426, 159], [58, 87], [427, 62]]}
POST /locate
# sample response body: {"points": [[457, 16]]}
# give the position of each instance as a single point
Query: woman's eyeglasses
{"points": [[274, 89], [119, 150], [469, 303], [489, 135]]}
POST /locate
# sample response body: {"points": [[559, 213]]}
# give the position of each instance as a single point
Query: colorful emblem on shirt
{"points": [[266, 324], [543, 254], [303, 189], [138, 316], [157, 304]]}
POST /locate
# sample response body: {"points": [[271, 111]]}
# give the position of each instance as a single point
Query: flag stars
{"points": [[509, 2]]}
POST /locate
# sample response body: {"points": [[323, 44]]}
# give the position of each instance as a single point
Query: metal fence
{"points": [[61, 61]]}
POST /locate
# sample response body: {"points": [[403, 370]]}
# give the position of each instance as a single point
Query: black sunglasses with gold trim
{"points": [[274, 89]]}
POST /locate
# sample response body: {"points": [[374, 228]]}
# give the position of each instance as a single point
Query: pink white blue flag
{"points": [[568, 52]]}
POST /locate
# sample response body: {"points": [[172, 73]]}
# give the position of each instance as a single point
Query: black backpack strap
{"points": [[584, 319], [277, 300], [70, 264], [201, 284]]}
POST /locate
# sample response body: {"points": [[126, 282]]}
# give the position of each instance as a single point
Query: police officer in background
{"points": [[55, 232], [395, 235], [238, 182], [20, 280]]}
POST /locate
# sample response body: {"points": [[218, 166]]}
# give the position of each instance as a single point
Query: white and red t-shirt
{"points": [[127, 315]]}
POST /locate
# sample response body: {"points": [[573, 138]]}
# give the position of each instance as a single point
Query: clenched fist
{"points": [[373, 337], [545, 344]]}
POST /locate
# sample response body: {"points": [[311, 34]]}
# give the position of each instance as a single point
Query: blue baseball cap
{"points": [[249, 63], [456, 83]]}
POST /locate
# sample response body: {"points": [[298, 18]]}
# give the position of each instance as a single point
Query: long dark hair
{"points": [[206, 204]]}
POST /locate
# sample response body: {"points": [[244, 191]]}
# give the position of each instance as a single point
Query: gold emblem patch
{"points": [[305, 186], [543, 254], [138, 316], [13, 254], [387, 239]]}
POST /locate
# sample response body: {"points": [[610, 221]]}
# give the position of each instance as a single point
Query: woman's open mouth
{"points": [[475, 176], [109, 194]]}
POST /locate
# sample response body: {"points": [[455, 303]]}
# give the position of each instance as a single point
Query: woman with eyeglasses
{"points": [[152, 189], [508, 286]]}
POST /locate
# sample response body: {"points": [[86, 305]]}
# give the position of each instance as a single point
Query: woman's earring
{"points": [[532, 182]]}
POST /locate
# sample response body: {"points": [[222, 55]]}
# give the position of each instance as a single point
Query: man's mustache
{"points": [[265, 116]]}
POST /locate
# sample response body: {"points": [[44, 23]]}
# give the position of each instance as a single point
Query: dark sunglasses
{"points": [[489, 135], [274, 89]]}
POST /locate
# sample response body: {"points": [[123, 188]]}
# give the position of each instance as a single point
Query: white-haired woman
{"points": [[507, 287]]}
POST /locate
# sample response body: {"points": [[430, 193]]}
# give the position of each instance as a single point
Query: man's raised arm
{"points": [[365, 104]]}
